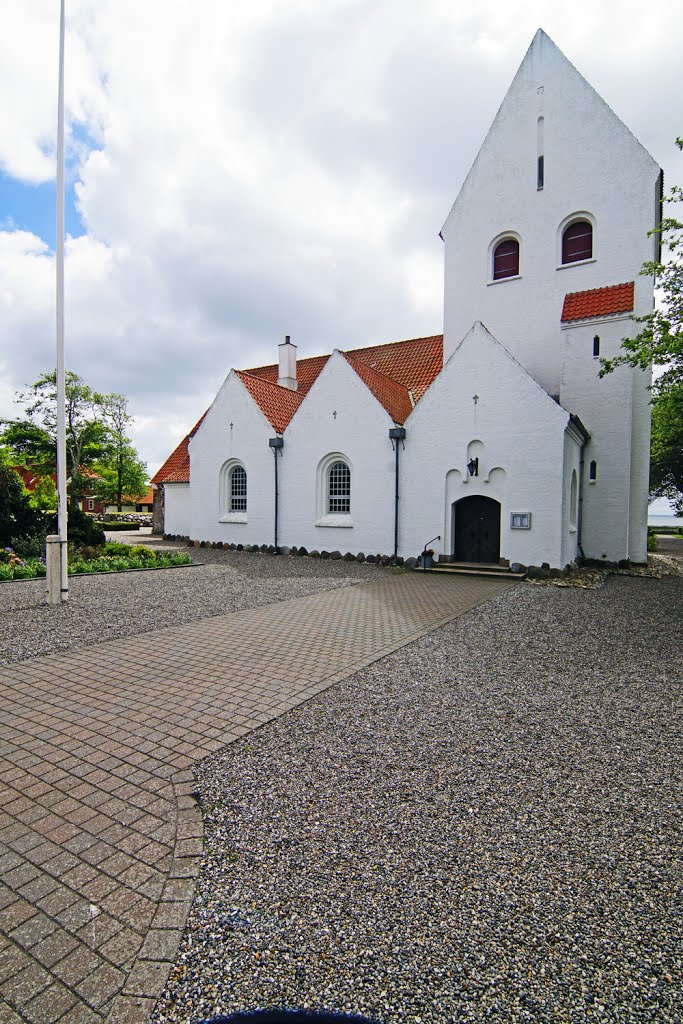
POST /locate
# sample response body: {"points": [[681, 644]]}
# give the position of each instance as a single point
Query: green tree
{"points": [[33, 438], [660, 343], [44, 495], [18, 520], [666, 454], [120, 470]]}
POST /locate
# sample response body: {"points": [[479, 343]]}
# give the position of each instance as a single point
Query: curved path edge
{"points": [[100, 829]]}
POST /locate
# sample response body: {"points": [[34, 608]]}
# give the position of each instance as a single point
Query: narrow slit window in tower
{"points": [[540, 161]]}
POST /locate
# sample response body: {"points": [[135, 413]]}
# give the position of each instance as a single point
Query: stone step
{"points": [[472, 569]]}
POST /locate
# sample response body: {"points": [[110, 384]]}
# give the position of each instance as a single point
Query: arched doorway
{"points": [[476, 529]]}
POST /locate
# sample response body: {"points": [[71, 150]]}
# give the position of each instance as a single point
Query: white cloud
{"points": [[270, 168]]}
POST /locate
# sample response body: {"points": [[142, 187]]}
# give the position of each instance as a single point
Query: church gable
{"points": [[483, 378], [551, 111]]}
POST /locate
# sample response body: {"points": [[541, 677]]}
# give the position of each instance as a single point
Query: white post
{"points": [[53, 579], [63, 582]]}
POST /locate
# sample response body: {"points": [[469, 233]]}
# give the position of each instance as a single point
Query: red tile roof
{"points": [[617, 298], [278, 404], [392, 395], [414, 363], [307, 372], [391, 372]]}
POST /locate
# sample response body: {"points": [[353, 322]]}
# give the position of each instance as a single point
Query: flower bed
{"points": [[110, 557]]}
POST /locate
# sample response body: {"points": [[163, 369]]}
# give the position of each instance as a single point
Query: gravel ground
{"points": [[484, 826], [114, 605]]}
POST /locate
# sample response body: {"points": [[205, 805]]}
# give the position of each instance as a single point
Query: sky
{"points": [[240, 171]]}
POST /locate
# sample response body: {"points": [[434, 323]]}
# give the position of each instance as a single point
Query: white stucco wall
{"points": [[339, 415], [233, 428], [606, 407], [177, 509], [520, 435], [593, 164]]}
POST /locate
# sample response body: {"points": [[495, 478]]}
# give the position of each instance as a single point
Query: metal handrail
{"points": [[424, 551]]}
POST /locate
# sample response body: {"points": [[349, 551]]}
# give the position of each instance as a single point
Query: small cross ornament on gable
{"points": [[475, 398]]}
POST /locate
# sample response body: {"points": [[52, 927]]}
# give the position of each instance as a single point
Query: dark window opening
{"points": [[539, 178], [506, 259], [596, 345], [577, 242], [593, 471]]}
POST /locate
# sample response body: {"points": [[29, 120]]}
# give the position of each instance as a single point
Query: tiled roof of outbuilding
{"points": [[616, 298]]}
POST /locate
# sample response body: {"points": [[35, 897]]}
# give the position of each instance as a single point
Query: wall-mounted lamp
{"points": [[473, 467]]}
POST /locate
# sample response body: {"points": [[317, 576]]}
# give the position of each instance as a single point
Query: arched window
{"points": [[506, 259], [339, 489], [232, 493], [237, 489], [577, 242]]}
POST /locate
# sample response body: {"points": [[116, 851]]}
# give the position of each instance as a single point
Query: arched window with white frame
{"points": [[334, 490], [504, 253], [233, 492], [576, 239], [506, 259]]}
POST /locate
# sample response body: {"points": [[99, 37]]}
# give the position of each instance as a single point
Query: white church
{"points": [[496, 442]]}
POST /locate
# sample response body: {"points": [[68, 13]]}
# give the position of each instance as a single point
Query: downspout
{"points": [[580, 516], [396, 434], [277, 444]]}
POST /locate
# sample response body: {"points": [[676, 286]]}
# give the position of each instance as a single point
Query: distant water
{"points": [[664, 520]]}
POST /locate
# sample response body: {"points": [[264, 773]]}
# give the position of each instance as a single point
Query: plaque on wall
{"points": [[520, 520]]}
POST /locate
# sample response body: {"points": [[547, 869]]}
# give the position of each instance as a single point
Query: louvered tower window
{"points": [[506, 259], [577, 242]]}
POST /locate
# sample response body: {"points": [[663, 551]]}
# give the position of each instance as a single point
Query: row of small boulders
{"points": [[296, 552], [540, 572], [141, 518]]}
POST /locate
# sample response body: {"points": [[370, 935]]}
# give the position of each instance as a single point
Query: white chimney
{"points": [[287, 374]]}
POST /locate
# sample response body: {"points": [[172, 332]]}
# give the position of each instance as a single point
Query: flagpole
{"points": [[61, 385]]}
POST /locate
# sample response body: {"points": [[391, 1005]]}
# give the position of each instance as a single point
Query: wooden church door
{"points": [[477, 529]]}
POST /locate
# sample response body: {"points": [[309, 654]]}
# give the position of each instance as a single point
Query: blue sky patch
{"points": [[32, 208]]}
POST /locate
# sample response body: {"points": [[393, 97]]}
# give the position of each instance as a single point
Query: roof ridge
{"points": [[270, 383], [601, 288]]}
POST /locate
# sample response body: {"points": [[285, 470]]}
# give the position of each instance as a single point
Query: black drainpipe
{"points": [[396, 434], [277, 444]]}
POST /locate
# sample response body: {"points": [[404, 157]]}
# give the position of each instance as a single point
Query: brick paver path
{"points": [[101, 835]]}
